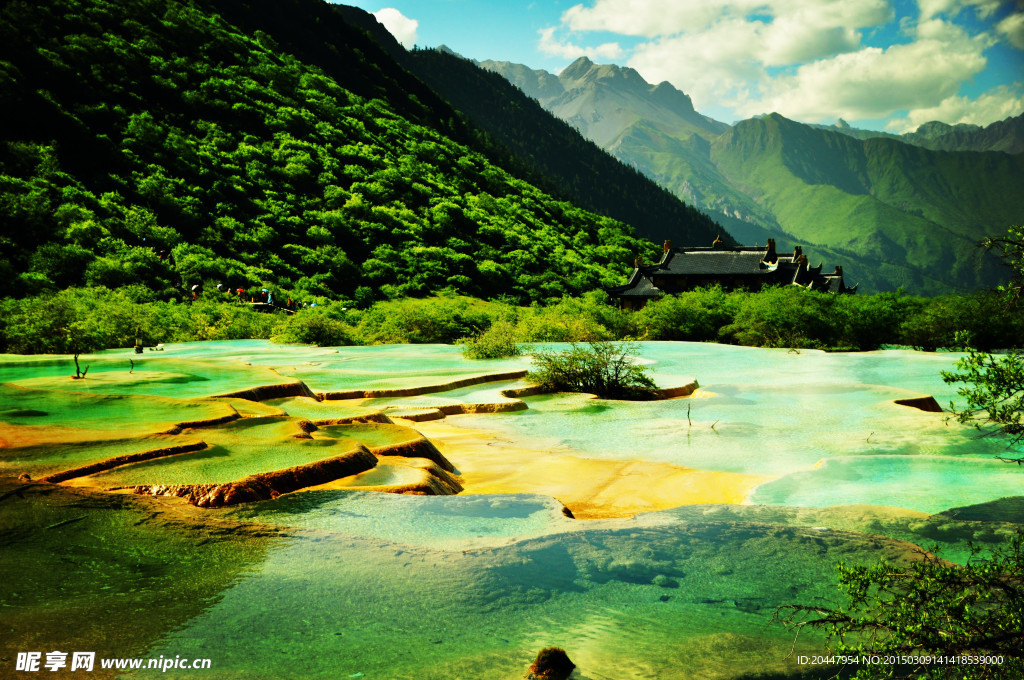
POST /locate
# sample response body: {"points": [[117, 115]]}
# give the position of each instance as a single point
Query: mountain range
{"points": [[294, 144], [899, 211]]}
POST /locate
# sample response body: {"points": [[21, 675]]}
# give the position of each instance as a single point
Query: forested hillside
{"points": [[169, 144], [911, 215]]}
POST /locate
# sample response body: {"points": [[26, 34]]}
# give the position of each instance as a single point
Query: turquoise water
{"points": [[369, 585], [779, 413], [450, 595], [926, 483]]}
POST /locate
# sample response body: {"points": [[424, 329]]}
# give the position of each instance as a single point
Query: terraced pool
{"points": [[706, 512]]}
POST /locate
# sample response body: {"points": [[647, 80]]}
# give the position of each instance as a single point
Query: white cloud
{"points": [[398, 25], [996, 104], [720, 51], [715, 66], [873, 83], [654, 18], [932, 8], [803, 58], [549, 44], [1012, 27]]}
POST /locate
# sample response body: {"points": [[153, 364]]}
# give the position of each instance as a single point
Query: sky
{"points": [[878, 64]]}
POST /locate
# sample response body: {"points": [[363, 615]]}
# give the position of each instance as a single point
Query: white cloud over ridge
{"points": [[873, 82], [549, 44], [997, 104], [402, 27], [806, 59]]}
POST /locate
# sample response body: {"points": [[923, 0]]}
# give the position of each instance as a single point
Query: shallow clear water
{"points": [[370, 585], [779, 413]]}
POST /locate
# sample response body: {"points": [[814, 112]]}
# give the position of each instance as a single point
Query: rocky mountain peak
{"points": [[577, 70], [665, 94]]}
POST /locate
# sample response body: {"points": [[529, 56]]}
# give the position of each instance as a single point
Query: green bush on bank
{"points": [[696, 315], [87, 319], [425, 320], [321, 326], [500, 340]]}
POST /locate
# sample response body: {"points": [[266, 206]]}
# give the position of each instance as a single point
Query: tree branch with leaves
{"points": [[926, 609]]}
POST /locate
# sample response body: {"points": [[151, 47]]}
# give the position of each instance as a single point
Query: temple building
{"points": [[733, 268]]}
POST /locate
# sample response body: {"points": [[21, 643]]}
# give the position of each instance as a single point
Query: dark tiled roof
{"points": [[715, 262], [640, 287]]}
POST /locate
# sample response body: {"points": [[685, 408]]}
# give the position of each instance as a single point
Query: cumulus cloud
{"points": [[398, 25], [875, 82], [1012, 28], [803, 58], [727, 60], [996, 104], [932, 8], [653, 18], [549, 44]]}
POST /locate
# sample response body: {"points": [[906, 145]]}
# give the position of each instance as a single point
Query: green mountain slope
{"points": [[894, 214], [901, 206], [168, 144]]}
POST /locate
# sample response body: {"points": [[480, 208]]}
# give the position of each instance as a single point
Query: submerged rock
{"points": [[927, 404], [552, 663]]}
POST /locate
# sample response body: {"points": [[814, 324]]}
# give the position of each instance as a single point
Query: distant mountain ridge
{"points": [[902, 211], [1004, 135], [603, 101]]}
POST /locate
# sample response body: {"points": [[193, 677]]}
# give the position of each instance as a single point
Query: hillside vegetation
{"points": [[159, 145]]}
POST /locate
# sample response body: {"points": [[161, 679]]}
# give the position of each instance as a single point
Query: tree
{"points": [[994, 386], [993, 392], [1011, 249], [607, 369], [930, 608]]}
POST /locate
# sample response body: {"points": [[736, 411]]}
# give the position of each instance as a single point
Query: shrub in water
{"points": [[607, 369]]}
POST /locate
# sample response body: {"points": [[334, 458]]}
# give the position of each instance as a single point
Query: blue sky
{"points": [[879, 64]]}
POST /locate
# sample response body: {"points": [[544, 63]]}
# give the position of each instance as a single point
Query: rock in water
{"points": [[552, 663]]}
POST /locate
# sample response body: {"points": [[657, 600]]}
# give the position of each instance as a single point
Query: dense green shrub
{"points": [[607, 369], [70, 321], [584, 319], [315, 326], [986, 317], [97, 317], [427, 320], [88, 319], [788, 316], [498, 341], [695, 315], [866, 322]]}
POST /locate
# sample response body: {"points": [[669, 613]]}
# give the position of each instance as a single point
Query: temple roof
{"points": [[714, 261], [638, 286], [682, 268]]}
